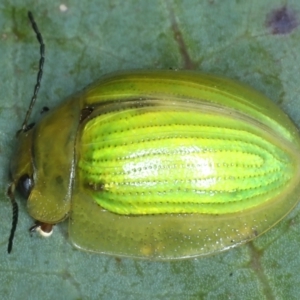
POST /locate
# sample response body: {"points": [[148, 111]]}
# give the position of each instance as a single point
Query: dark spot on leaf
{"points": [[118, 260], [282, 21]]}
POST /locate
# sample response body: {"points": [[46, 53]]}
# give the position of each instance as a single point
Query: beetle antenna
{"points": [[39, 37], [15, 210]]}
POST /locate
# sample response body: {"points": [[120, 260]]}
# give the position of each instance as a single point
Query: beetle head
{"points": [[21, 166]]}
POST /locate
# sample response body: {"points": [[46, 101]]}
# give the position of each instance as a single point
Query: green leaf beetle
{"points": [[158, 164]]}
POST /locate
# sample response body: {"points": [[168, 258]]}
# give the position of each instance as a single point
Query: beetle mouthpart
{"points": [[15, 210], [44, 229], [43, 233]]}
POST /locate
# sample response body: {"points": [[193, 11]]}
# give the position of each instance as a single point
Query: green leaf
{"points": [[256, 42]]}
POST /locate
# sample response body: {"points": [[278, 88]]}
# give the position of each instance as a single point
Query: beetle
{"points": [[158, 164]]}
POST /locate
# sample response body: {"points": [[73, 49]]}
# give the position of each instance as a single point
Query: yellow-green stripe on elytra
{"points": [[157, 160], [161, 165]]}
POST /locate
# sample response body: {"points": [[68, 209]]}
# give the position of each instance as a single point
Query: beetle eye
{"points": [[25, 185]]}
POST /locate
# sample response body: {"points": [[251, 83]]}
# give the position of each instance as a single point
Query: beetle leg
{"points": [[43, 229]]}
